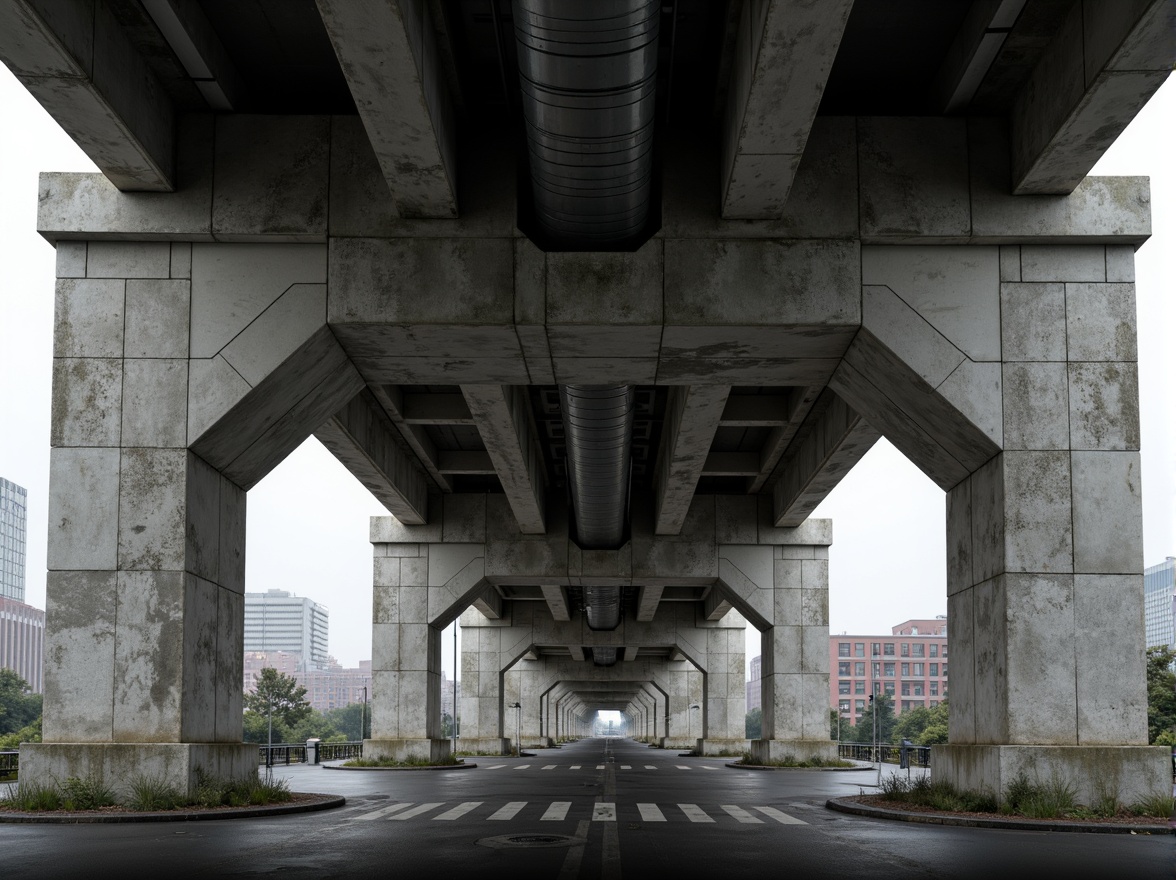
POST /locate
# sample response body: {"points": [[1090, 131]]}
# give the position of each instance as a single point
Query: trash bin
{"points": [[312, 750]]}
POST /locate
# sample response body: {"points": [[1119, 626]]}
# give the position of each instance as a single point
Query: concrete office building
{"points": [[909, 664], [277, 620], [13, 539], [22, 639], [600, 397], [1159, 603], [335, 687], [753, 683]]}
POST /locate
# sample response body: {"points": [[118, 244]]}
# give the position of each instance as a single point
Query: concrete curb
{"points": [[328, 802], [769, 767], [1010, 824], [401, 769]]}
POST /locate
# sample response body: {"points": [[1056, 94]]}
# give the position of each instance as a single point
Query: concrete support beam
{"points": [[1106, 61], [577, 652], [715, 606], [389, 55], [557, 601], [415, 436], [502, 414], [436, 409], [489, 603], [648, 598], [783, 53], [362, 437], [452, 462], [790, 410], [78, 63], [975, 47], [834, 439], [190, 35], [692, 417]]}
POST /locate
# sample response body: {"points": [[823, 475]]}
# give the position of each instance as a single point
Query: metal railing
{"points": [[296, 753], [920, 756], [9, 763]]}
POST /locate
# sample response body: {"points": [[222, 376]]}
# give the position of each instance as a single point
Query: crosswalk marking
{"points": [[416, 811], [695, 813], [681, 766], [574, 767], [522, 766], [741, 815], [384, 811], [782, 818], [557, 812], [704, 767], [496, 767], [507, 812], [599, 766], [650, 813], [650, 767], [604, 812], [626, 767], [549, 767], [458, 811]]}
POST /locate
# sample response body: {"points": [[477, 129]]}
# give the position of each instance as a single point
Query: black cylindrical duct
{"points": [[588, 72], [598, 430], [604, 656]]}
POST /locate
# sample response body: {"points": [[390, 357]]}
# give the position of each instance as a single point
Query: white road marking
{"points": [[704, 767], [650, 813], [376, 814], [496, 767], [574, 767], [681, 766], [741, 815], [548, 767], [604, 812], [522, 766], [695, 813], [599, 766], [557, 812], [626, 767], [507, 812], [650, 767], [458, 811], [782, 818], [415, 811]]}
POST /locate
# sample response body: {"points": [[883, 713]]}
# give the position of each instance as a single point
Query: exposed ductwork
{"points": [[604, 656], [588, 72], [598, 430]]}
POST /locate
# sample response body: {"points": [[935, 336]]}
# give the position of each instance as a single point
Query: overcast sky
{"points": [[308, 520]]}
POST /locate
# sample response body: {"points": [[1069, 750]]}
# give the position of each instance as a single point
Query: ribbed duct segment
{"points": [[602, 607], [598, 427], [588, 72], [604, 656]]}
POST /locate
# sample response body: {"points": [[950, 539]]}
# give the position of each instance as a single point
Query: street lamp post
{"points": [[518, 707], [363, 714]]}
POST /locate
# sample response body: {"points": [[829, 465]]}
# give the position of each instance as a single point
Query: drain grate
{"points": [[524, 841]]}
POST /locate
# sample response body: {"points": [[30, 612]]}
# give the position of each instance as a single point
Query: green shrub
{"points": [[1158, 805], [86, 794], [31, 797], [212, 791], [1052, 800], [149, 793], [408, 762]]}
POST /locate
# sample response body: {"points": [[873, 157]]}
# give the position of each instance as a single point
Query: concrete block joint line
{"points": [[270, 252]]}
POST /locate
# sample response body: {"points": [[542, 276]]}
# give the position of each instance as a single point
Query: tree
{"points": [[935, 733], [1161, 692], [911, 724], [346, 720], [846, 733], [18, 707], [280, 695], [753, 726], [884, 705]]}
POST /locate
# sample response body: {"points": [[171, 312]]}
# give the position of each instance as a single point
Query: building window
{"points": [[934, 703], [890, 688], [859, 649], [859, 706], [888, 649], [934, 650], [918, 688], [917, 649], [943, 653], [859, 669], [918, 669], [843, 649], [859, 687], [889, 670], [906, 670], [906, 649], [934, 690], [843, 668], [876, 670], [843, 687], [843, 706], [934, 670], [876, 649], [906, 688], [945, 670]]}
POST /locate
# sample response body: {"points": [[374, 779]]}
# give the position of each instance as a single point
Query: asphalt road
{"points": [[642, 813]]}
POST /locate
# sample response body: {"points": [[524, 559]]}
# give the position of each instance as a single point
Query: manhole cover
{"points": [[522, 841]]}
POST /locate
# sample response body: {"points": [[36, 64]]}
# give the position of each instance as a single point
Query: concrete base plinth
{"points": [[766, 751], [678, 742], [117, 764], [1130, 772], [432, 750], [721, 747], [485, 745]]}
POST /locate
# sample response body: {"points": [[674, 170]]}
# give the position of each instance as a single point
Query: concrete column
{"points": [[1045, 545], [144, 631], [794, 689], [725, 702]]}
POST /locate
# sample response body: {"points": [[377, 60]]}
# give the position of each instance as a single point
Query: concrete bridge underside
{"points": [[351, 264]]}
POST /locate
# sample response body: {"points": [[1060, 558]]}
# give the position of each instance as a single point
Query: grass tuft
{"points": [[153, 793], [793, 761], [90, 793], [410, 762], [32, 797], [1159, 805]]}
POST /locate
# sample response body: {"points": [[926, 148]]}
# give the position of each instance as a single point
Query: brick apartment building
{"points": [[910, 664]]}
